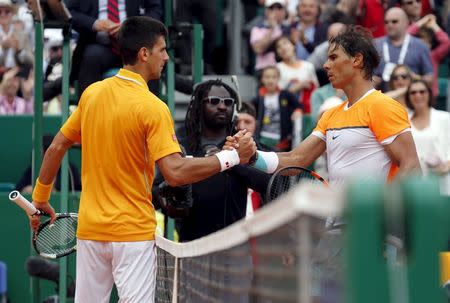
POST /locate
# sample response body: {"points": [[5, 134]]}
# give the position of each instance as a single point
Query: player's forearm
{"points": [[51, 163], [192, 170], [409, 167]]}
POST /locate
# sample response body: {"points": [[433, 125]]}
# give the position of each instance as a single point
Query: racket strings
{"points": [[289, 178], [58, 238]]}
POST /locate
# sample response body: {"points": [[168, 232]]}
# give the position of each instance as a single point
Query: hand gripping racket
{"points": [[50, 240], [286, 178]]}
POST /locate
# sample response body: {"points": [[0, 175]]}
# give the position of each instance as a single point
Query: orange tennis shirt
{"points": [[355, 136], [123, 130]]}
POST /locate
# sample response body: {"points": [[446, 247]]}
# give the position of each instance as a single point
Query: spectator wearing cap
{"points": [[264, 34]]}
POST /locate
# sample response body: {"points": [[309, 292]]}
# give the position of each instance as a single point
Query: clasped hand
{"points": [[243, 142]]}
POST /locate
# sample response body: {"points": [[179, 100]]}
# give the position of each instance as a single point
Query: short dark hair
{"points": [[248, 108], [137, 32], [431, 100], [358, 40]]}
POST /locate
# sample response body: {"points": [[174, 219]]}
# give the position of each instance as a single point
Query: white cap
{"points": [[6, 3], [269, 3], [53, 37]]}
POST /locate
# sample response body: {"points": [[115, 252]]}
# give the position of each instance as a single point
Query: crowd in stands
{"points": [[288, 44]]}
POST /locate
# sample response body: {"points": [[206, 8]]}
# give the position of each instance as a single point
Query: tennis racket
{"points": [[286, 178], [50, 240]]}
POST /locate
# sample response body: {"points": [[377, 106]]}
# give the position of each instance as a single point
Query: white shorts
{"points": [[130, 265]]}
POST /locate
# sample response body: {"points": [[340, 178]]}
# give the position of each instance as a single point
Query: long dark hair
{"points": [[194, 114]]}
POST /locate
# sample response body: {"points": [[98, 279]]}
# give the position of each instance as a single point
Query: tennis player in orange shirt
{"points": [[124, 130]]}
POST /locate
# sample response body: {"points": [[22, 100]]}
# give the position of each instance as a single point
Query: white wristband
{"points": [[228, 159]]}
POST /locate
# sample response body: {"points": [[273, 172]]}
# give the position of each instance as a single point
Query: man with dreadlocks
{"points": [[219, 200]]}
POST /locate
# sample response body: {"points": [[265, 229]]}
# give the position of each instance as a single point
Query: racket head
{"points": [[288, 177], [59, 239]]}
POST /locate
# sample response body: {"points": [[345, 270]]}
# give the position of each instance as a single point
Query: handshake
{"points": [[243, 143]]}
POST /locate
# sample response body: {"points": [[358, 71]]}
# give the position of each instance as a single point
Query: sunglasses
{"points": [[5, 11], [400, 76], [412, 2], [216, 100], [421, 92], [393, 21]]}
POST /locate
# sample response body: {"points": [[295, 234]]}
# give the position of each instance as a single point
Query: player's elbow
{"points": [[175, 179]]}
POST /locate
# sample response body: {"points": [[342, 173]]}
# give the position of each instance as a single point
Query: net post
{"points": [[364, 243], [304, 265], [175, 282], [425, 213]]}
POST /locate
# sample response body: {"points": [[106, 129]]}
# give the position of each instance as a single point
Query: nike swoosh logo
{"points": [[334, 137]]}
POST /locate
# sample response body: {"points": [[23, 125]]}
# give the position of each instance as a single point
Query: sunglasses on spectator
{"points": [[5, 11], [402, 76], [216, 100], [410, 2], [420, 91], [393, 21]]}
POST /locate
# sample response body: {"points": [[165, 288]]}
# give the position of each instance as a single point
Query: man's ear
{"points": [[144, 54], [358, 60]]}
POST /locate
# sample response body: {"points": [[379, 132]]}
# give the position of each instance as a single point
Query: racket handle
{"points": [[23, 203]]}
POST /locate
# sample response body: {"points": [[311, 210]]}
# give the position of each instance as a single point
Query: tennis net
{"points": [[284, 253]]}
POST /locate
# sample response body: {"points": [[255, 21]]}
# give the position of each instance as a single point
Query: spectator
{"points": [[220, 200], [264, 34], [10, 102], [398, 83], [246, 117], [53, 74], [398, 47], [412, 8], [97, 25], [275, 110], [437, 41], [308, 31], [15, 47], [431, 131], [247, 120], [24, 184], [296, 76], [320, 54]]}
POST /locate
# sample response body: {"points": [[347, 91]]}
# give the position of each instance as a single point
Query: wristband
{"points": [[228, 159], [42, 192], [266, 161]]}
